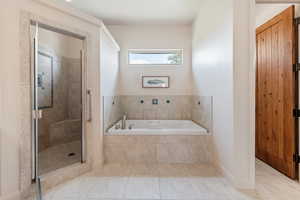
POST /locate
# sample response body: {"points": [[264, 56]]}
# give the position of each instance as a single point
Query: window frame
{"points": [[155, 51]]}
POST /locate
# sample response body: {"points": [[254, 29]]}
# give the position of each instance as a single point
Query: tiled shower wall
{"points": [[63, 120], [74, 87], [180, 107]]}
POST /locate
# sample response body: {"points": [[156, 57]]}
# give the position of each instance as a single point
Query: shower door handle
{"points": [[37, 114], [89, 96], [40, 114]]}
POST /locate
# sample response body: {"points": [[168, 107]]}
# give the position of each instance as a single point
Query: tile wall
{"points": [[180, 107], [158, 149], [62, 121]]}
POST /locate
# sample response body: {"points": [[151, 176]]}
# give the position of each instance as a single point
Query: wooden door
{"points": [[276, 93]]}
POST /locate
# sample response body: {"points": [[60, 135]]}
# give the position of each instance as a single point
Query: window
{"points": [[155, 56]]}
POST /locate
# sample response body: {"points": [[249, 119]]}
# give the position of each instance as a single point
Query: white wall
{"points": [[109, 54], [221, 68], [213, 72], [10, 77], [153, 37], [244, 94], [110, 74]]}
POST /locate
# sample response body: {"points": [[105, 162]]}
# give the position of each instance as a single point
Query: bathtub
{"points": [[157, 127]]}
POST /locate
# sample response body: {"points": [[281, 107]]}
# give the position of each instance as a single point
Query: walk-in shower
{"points": [[57, 99]]}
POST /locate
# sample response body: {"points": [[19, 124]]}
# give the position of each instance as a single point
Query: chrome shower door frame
{"points": [[36, 113]]}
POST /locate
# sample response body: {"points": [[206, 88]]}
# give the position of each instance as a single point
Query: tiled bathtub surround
{"points": [[158, 149], [180, 107]]}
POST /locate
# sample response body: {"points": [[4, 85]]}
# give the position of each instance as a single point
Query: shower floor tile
{"points": [[57, 157]]}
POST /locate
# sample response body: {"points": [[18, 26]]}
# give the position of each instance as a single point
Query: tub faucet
{"points": [[124, 122]]}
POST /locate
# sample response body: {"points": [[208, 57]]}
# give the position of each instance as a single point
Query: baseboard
{"points": [[225, 172], [14, 196]]}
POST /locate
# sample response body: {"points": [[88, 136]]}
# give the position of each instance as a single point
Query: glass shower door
{"points": [[57, 99]]}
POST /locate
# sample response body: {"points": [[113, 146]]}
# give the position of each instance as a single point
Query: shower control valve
{"points": [[155, 101]]}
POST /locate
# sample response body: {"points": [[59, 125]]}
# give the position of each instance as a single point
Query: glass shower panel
{"points": [[59, 100]]}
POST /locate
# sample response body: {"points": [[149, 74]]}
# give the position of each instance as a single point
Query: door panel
{"points": [[275, 93]]}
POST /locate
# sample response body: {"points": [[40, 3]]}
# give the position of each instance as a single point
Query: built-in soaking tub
{"points": [[157, 127]]}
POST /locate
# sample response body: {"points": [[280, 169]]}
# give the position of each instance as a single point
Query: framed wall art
{"points": [[155, 81]]}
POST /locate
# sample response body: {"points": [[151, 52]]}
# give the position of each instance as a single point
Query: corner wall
{"points": [[213, 73], [244, 93], [223, 48]]}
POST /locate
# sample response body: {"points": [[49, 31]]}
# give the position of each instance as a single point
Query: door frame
{"points": [[297, 87]]}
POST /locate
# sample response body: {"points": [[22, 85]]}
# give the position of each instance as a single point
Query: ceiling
{"points": [[115, 12]]}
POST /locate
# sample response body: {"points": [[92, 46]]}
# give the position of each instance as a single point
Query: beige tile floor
{"points": [[149, 182], [272, 185], [167, 182]]}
